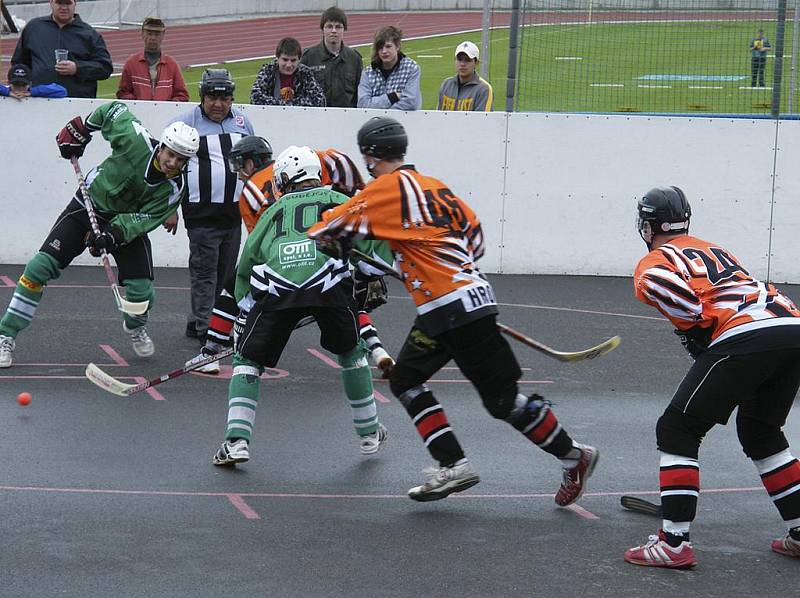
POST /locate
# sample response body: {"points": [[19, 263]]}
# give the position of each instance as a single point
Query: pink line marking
{"points": [[42, 377], [65, 365], [245, 509], [116, 357], [151, 391], [579, 510], [8, 282], [379, 397], [324, 358]]}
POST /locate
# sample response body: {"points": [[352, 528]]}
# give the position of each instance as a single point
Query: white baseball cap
{"points": [[469, 49]]}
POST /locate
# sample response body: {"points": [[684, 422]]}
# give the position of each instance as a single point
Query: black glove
{"points": [[695, 340], [370, 292], [73, 138], [337, 248], [105, 241], [238, 327]]}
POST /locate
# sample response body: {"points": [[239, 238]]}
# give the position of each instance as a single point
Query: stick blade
{"points": [[129, 307], [107, 382], [605, 347], [640, 505]]}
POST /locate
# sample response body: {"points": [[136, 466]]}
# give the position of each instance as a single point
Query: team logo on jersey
{"points": [[296, 252], [239, 120], [55, 244]]}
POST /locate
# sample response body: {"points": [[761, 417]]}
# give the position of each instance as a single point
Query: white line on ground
{"points": [[655, 86], [706, 87], [429, 55], [756, 88], [606, 85], [569, 58]]}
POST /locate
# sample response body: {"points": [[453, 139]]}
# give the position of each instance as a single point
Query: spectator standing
{"points": [[151, 74], [19, 81], [286, 82], [336, 66], [392, 78], [211, 211], [62, 49], [758, 58], [466, 91]]}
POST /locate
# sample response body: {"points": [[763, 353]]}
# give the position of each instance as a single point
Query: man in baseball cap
{"points": [[466, 91], [19, 80]]}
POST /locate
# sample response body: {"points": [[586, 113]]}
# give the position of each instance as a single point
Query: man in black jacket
{"points": [[63, 49], [336, 66]]}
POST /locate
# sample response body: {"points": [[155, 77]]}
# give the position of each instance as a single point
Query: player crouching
{"points": [[133, 191], [281, 279]]}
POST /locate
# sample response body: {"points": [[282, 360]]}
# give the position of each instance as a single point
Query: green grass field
{"points": [[656, 67]]}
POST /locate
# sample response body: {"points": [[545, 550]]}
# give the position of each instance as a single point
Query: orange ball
{"points": [[24, 398]]}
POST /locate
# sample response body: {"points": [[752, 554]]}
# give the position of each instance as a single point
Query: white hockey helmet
{"points": [[294, 165], [181, 139]]}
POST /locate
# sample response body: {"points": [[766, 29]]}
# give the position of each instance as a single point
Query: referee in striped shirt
{"points": [[211, 212]]}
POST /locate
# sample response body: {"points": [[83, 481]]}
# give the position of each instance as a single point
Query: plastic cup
{"points": [[62, 55]]}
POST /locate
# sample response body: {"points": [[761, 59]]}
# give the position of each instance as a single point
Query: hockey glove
{"points": [[337, 248], [370, 292], [105, 241], [238, 327], [695, 340], [73, 138]]}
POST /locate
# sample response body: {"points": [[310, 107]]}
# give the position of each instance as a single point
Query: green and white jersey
{"points": [[282, 268], [127, 186]]}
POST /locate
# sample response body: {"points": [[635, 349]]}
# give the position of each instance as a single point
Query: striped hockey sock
{"points": [[357, 380], [22, 307], [780, 475], [243, 399], [220, 325], [368, 332], [432, 424], [679, 479]]}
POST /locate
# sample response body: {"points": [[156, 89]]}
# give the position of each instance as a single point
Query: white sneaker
{"points": [[443, 481], [383, 361], [142, 344], [209, 368], [6, 351], [372, 443], [231, 453]]}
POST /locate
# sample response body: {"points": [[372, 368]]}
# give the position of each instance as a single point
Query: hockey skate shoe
{"points": [[443, 481], [209, 368], [658, 553], [574, 481], [372, 443], [232, 452], [787, 545], [142, 344], [383, 361], [6, 351]]}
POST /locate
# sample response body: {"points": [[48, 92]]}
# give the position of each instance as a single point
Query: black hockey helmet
{"points": [[383, 138], [217, 82], [663, 210], [253, 148]]}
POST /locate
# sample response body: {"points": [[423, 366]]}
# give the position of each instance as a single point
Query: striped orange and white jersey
{"points": [[436, 239], [696, 283], [338, 171]]}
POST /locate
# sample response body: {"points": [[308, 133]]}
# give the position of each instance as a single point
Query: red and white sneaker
{"points": [[658, 553], [787, 545], [574, 482]]}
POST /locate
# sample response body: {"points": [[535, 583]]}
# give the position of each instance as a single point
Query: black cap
{"points": [[19, 73]]}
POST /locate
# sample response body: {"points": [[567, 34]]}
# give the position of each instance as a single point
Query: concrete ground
{"points": [[108, 496]]}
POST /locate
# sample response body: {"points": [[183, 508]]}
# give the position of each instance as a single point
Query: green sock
{"points": [[243, 398], [357, 380]]}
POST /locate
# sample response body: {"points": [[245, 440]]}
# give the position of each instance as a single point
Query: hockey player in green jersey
{"points": [[282, 277], [133, 191]]}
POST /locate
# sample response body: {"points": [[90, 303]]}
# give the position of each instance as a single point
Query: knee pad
{"points": [[242, 366], [680, 434], [759, 439], [409, 395], [526, 410], [355, 358], [140, 289], [42, 268]]}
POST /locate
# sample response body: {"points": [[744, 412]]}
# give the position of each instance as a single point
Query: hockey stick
{"points": [[640, 505], [590, 353], [107, 382], [129, 307]]}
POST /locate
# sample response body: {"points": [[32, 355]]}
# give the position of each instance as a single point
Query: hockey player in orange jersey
{"points": [[437, 239], [744, 336]]}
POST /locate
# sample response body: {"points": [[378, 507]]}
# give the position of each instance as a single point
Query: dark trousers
{"points": [[758, 65]]}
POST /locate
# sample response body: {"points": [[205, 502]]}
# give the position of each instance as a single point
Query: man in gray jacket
{"points": [[61, 48], [336, 66]]}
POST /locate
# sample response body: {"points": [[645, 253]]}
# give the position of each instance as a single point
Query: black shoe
{"points": [[191, 330]]}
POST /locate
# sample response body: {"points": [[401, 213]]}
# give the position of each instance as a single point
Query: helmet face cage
{"points": [[295, 165], [181, 139], [252, 148]]}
